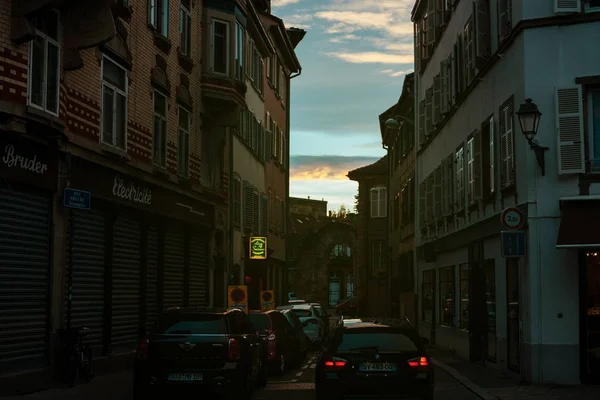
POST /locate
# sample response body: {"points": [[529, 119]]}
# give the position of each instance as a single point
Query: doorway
{"points": [[513, 309], [589, 289], [334, 290]]}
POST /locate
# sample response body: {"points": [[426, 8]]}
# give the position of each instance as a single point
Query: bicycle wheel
{"points": [[72, 371], [87, 364]]}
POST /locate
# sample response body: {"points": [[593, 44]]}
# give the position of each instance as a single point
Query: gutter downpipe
{"points": [[229, 268], [389, 230]]}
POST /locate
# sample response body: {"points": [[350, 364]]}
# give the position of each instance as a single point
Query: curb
{"points": [[466, 382]]}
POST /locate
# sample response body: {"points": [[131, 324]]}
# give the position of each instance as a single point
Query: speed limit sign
{"points": [[512, 218]]}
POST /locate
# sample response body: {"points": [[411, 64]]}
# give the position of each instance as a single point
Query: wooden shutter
{"points": [[264, 214], [430, 199], [428, 111], [422, 118], [569, 126], [382, 202], [439, 14], [437, 99], [248, 206], [448, 178], [268, 145], [237, 202], [504, 19], [417, 29], [507, 159], [460, 179], [431, 23], [422, 204], [483, 44], [437, 193], [255, 212], [444, 89], [469, 173], [460, 65], [567, 6], [477, 165]]}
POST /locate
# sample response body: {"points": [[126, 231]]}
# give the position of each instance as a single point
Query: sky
{"points": [[354, 58]]}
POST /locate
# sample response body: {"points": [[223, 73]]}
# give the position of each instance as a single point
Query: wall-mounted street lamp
{"points": [[393, 123], [529, 119]]}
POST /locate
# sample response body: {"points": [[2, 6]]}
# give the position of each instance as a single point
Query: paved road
{"points": [[294, 385]]}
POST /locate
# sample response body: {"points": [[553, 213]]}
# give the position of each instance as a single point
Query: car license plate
{"points": [[377, 367], [185, 377]]}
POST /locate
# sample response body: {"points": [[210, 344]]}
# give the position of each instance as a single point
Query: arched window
{"points": [[341, 251], [378, 202]]}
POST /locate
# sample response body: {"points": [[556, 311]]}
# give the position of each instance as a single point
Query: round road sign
{"points": [[267, 296], [512, 218], [238, 295]]}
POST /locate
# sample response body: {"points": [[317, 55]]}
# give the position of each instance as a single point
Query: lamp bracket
{"points": [[539, 152]]}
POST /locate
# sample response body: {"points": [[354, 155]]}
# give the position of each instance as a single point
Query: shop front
{"points": [[140, 248], [28, 179]]}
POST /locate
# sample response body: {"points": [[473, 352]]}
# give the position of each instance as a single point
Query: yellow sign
{"points": [[267, 300], [237, 297], [258, 248]]}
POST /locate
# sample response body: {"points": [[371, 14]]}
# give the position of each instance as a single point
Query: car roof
{"points": [[303, 306], [200, 310], [316, 304]]}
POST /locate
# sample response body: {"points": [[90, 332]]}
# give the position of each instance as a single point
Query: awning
{"points": [[579, 224]]}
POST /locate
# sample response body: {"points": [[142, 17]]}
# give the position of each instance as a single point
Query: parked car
{"points": [[373, 359], [281, 339], [297, 301], [214, 350], [348, 307], [322, 314], [302, 341]]}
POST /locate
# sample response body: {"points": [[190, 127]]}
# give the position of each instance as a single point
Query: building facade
{"points": [[475, 64], [397, 133], [372, 283], [111, 211]]}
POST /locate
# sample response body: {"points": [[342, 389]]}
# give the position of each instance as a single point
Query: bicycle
{"points": [[78, 355]]}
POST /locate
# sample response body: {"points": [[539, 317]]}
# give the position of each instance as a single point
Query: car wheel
{"points": [[280, 365]]}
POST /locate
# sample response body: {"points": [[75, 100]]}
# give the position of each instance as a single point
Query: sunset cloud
{"points": [[373, 57], [283, 3], [326, 167], [334, 192]]}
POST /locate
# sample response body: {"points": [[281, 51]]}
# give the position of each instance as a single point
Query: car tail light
{"points": [[142, 352], [418, 362], [234, 350], [335, 364]]}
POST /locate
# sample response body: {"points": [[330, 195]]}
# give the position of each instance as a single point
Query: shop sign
{"points": [[129, 191], [25, 161], [258, 248]]}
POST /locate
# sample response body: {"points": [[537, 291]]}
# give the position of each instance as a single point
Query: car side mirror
{"points": [[424, 340], [263, 334]]}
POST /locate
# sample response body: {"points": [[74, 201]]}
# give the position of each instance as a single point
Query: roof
{"points": [[379, 167], [302, 224], [404, 106]]}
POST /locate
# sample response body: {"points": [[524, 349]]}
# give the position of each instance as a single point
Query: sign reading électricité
{"points": [[258, 248]]}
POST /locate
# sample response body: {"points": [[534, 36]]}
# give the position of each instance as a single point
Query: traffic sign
{"points": [[512, 218], [238, 297], [513, 244], [79, 199], [267, 301]]}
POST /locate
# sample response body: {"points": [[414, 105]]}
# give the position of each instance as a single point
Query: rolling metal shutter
{"points": [[24, 277], [126, 276], [152, 276], [174, 271], [86, 252], [198, 279]]}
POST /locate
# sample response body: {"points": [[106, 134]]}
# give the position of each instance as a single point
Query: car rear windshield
{"points": [[191, 324], [382, 340], [302, 313], [319, 311], [260, 321]]}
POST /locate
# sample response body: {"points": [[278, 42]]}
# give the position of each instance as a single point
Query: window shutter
{"points": [[248, 205], [417, 47], [567, 6], [374, 203], [422, 119], [430, 199], [505, 19], [470, 171], [483, 45], [460, 65], [569, 124], [444, 88], [422, 204], [460, 179], [382, 202], [437, 99], [237, 202], [429, 111], [448, 176], [455, 75], [264, 214], [437, 187], [439, 14], [152, 13], [477, 165], [493, 158], [431, 22], [268, 145], [503, 164], [507, 146], [255, 212]]}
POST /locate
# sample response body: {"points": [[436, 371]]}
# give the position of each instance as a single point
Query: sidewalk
{"points": [[489, 384], [100, 388]]}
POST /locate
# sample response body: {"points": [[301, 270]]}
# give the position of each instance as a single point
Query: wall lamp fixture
{"points": [[529, 119]]}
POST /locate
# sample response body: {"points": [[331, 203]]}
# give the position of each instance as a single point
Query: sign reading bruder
{"points": [[25, 161], [113, 186]]}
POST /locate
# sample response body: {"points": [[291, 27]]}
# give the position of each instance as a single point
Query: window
{"points": [[504, 19], [507, 159], [447, 296], [271, 208], [220, 47], [191, 323], [474, 167], [460, 178], [427, 294], [260, 321], [594, 126], [405, 201], [160, 129], [248, 217], [44, 63], [464, 296], [490, 300], [470, 170], [282, 83], [255, 212], [239, 51], [237, 202], [185, 28], [378, 202], [264, 214], [282, 148], [378, 257], [184, 142], [488, 155], [469, 52], [275, 147], [114, 104], [158, 16], [592, 5], [386, 340]]}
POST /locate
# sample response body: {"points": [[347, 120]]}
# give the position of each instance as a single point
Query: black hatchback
{"points": [[371, 359]]}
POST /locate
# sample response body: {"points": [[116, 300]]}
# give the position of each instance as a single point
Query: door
{"points": [[513, 296], [152, 262], [86, 261], [198, 280], [174, 267], [590, 316], [24, 277], [334, 290], [478, 323], [126, 278]]}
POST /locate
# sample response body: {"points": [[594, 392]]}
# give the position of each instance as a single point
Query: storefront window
{"points": [[490, 296], [427, 296], [447, 295], [464, 296], [593, 315]]}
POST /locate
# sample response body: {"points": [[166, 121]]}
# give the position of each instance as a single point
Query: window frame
{"points": [[116, 90], [186, 133], [459, 158], [377, 191], [590, 9], [470, 182], [227, 47], [57, 43], [165, 119], [156, 14], [590, 91], [185, 29], [240, 49], [464, 271]]}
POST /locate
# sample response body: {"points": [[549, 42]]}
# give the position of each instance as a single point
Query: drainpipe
{"points": [[229, 265], [389, 230]]}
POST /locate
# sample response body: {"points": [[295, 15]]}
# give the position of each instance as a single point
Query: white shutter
{"points": [[569, 126], [567, 6], [477, 164]]}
